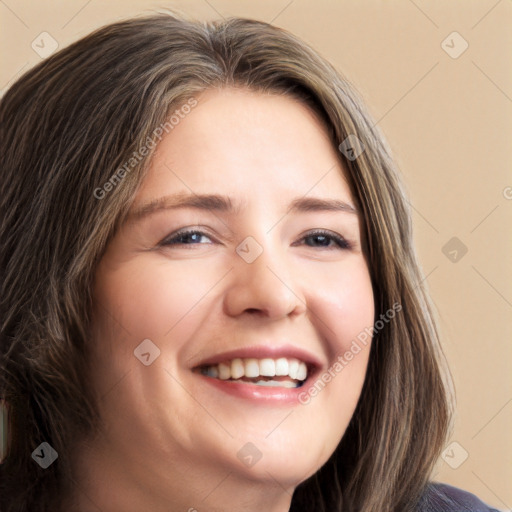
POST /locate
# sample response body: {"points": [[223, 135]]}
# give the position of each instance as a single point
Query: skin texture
{"points": [[168, 438]]}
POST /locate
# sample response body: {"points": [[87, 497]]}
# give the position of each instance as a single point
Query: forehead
{"points": [[239, 141]]}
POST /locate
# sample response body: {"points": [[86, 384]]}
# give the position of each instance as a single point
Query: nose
{"points": [[265, 287]]}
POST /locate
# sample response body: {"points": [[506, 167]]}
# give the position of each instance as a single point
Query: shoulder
{"points": [[440, 497]]}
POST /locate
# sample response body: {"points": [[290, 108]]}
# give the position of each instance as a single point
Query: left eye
{"points": [[323, 239], [319, 239]]}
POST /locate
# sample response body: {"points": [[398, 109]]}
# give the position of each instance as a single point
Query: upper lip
{"points": [[262, 352]]}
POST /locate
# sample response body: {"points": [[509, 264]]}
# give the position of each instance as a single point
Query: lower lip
{"points": [[265, 394]]}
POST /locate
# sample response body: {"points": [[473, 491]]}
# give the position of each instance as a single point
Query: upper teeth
{"points": [[251, 368]]}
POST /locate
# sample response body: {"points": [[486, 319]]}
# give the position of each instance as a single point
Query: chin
{"points": [[288, 470], [288, 457]]}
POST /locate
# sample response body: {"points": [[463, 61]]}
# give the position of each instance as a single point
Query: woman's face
{"points": [[259, 270]]}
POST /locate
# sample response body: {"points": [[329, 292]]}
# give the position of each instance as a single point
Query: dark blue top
{"points": [[445, 498]]}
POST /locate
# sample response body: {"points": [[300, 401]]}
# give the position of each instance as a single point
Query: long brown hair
{"points": [[67, 127]]}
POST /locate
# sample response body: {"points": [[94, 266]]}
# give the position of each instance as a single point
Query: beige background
{"points": [[448, 121]]}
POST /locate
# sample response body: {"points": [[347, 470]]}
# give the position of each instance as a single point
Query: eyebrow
{"points": [[223, 204]]}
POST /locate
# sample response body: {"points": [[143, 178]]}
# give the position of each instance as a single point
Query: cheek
{"points": [[150, 300], [342, 302], [342, 308], [163, 302]]}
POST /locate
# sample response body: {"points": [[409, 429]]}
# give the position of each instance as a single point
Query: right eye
{"points": [[185, 237]]}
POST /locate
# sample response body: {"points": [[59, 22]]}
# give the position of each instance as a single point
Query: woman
{"points": [[210, 297]]}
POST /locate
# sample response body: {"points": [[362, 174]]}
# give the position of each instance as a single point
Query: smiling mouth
{"points": [[282, 372]]}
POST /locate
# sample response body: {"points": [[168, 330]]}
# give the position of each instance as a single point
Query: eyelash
{"points": [[341, 242]]}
